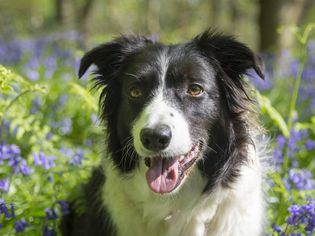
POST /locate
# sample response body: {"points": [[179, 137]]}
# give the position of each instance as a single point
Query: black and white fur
{"points": [[221, 194]]}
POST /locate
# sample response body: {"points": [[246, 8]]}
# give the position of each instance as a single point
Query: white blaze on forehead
{"points": [[159, 111], [163, 62]]}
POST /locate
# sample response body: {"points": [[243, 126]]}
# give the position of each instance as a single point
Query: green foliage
{"points": [[35, 185], [291, 196]]}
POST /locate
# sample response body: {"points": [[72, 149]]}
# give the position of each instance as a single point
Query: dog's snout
{"points": [[156, 139]]}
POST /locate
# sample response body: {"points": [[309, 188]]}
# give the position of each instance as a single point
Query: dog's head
{"points": [[172, 106]]}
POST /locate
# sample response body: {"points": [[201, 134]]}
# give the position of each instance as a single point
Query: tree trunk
{"points": [[59, 11], [276, 13], [82, 15], [268, 23]]}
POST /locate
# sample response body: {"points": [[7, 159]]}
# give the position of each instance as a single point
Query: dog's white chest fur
{"points": [[136, 211]]}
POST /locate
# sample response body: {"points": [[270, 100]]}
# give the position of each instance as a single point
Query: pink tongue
{"points": [[162, 176]]}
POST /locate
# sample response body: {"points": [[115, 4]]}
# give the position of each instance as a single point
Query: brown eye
{"points": [[135, 92], [195, 90]]}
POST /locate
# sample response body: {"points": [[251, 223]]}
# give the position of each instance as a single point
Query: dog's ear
{"points": [[234, 57], [109, 57]]}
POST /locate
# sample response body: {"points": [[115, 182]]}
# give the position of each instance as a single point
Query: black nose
{"points": [[156, 139]]}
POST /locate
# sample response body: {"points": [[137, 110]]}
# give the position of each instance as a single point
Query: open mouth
{"points": [[165, 174]]}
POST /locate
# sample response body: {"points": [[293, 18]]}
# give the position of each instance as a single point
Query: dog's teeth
{"points": [[147, 162], [181, 158]]}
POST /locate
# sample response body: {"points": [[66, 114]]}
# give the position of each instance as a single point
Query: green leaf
{"points": [[85, 94], [266, 107]]}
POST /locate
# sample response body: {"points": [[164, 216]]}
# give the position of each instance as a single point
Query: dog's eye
{"points": [[195, 90], [135, 92]]}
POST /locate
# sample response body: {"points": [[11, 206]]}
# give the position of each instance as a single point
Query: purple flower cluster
{"points": [[75, 157], [299, 179], [12, 155], [47, 162], [5, 210], [48, 231], [4, 185], [64, 126], [303, 215], [51, 214], [64, 207], [44, 52], [291, 147], [277, 157], [20, 226]]}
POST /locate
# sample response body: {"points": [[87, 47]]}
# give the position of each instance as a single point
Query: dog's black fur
{"points": [[229, 132]]}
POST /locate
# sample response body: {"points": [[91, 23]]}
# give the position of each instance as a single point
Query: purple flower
{"points": [[20, 226], [77, 158], [51, 214], [48, 232], [277, 156], [64, 207], [66, 126], [4, 209], [301, 179], [293, 142], [277, 228], [303, 215], [310, 145], [24, 168], [46, 161], [36, 104], [4, 185], [9, 152]]}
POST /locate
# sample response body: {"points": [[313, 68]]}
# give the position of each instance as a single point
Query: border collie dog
{"points": [[183, 148]]}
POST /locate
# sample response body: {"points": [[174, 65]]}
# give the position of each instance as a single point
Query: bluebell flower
{"points": [[50, 65], [277, 228], [51, 214], [4, 209], [9, 152], [20, 226], [64, 207], [310, 145], [303, 215], [4, 185], [45, 161], [77, 158], [294, 67], [65, 126], [36, 104], [24, 168], [48, 232], [10, 52], [277, 155], [301, 179], [293, 142], [49, 135], [14, 162]]}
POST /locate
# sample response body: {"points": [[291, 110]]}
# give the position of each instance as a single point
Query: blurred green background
{"points": [[255, 22]]}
